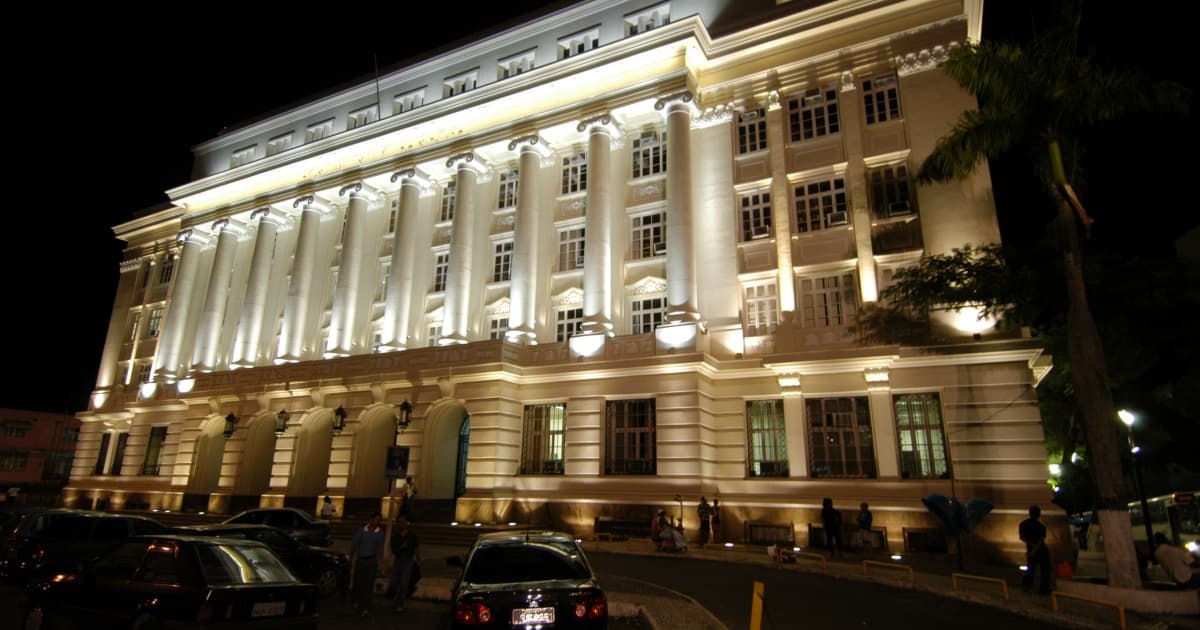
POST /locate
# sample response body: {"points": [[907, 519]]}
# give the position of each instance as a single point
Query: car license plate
{"points": [[268, 609], [532, 615]]}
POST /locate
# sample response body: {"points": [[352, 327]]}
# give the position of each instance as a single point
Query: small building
{"points": [[36, 452]]}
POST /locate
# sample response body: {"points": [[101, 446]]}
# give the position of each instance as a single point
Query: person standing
{"points": [[1037, 555], [704, 512], [404, 554], [865, 538], [364, 551], [716, 521], [1177, 562], [407, 493], [327, 509], [831, 521]]}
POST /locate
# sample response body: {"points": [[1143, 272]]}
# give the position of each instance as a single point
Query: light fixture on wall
{"points": [[404, 417], [230, 424], [339, 419], [281, 420]]}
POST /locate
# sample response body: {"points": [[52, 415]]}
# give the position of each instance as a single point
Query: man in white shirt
{"points": [[1176, 562]]}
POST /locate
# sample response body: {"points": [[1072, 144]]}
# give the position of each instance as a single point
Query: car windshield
{"points": [[224, 565], [528, 562]]}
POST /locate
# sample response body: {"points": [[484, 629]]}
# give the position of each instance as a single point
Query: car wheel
{"points": [[35, 618], [327, 582]]}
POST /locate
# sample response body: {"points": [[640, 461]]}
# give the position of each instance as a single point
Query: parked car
{"points": [[532, 578], [17, 525], [176, 581], [69, 539], [328, 570], [299, 524]]}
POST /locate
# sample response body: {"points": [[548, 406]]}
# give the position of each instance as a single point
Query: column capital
{"points": [[470, 161], [714, 115], [190, 235], [362, 191], [533, 143], [413, 176], [847, 83], [228, 225], [312, 202], [679, 99], [602, 124], [269, 214], [774, 102], [877, 379]]}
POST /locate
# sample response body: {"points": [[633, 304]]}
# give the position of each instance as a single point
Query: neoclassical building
{"points": [[618, 253]]}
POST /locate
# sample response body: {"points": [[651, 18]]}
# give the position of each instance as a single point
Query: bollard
{"points": [[756, 607], [955, 577]]}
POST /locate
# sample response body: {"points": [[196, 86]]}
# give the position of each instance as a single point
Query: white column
{"points": [[522, 314], [856, 180], [796, 431], [342, 323], [208, 337], [883, 423], [720, 292], [781, 210], [170, 358], [398, 309], [295, 312], [464, 269], [681, 263], [250, 325], [597, 248]]}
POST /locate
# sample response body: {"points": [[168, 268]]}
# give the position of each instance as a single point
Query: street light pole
{"points": [[1135, 453]]}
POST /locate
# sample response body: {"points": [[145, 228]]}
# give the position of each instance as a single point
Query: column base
{"points": [[682, 314], [522, 336], [452, 340], [597, 324], [588, 344]]}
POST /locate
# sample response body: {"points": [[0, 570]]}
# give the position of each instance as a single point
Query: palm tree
{"points": [[1038, 99]]}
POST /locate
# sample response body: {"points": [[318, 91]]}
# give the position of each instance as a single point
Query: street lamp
{"points": [[1128, 418], [230, 424], [281, 420], [405, 416], [339, 419]]}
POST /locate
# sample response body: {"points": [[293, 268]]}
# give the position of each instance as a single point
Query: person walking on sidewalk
{"points": [[704, 512], [831, 522], [1037, 554], [716, 521], [404, 554], [364, 552], [865, 537]]}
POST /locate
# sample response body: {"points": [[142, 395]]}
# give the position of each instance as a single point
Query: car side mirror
{"points": [[455, 561]]}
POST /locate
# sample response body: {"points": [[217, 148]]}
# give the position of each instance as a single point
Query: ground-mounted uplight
{"points": [[1075, 458], [153, 509], [1055, 469], [1023, 567], [478, 524], [897, 557], [1135, 450], [1193, 547], [729, 545], [167, 511], [512, 524], [200, 513], [797, 549], [453, 523]]}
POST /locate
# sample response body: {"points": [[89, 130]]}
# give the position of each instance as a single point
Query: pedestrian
{"points": [[404, 555], [1037, 555], [327, 509], [658, 529], [716, 521], [407, 493], [365, 548], [865, 538], [704, 512], [831, 522], [1176, 562]]}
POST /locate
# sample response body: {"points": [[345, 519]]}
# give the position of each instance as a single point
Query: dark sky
{"points": [[100, 112]]}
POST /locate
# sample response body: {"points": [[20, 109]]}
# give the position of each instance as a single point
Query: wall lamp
{"points": [[339, 419], [281, 420], [230, 424], [405, 416]]}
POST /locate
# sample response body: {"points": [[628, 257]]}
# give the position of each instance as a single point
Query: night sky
{"points": [[101, 110]]}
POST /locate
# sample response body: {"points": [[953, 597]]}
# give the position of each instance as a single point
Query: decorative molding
{"points": [[924, 59], [648, 285], [713, 116], [415, 177], [773, 101], [533, 143], [259, 213], [131, 265], [848, 84], [191, 236], [313, 202], [684, 98], [359, 189], [499, 307], [474, 163], [570, 297], [595, 121]]}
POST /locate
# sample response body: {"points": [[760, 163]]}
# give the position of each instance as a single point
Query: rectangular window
{"points": [[71, 434], [891, 191], [134, 320], [435, 333], [241, 156], [543, 440], [648, 236], [449, 199], [154, 324], [392, 219], [145, 270], [516, 64], [752, 130], [768, 441], [57, 465], [385, 270], [839, 437], [647, 314], [143, 373], [574, 173], [408, 101], [279, 144], [922, 441], [364, 116], [154, 451], [814, 114], [16, 429], [578, 43], [647, 19], [508, 189], [629, 437], [502, 262], [317, 131], [464, 82], [168, 269], [570, 249], [441, 266], [756, 215], [102, 458], [568, 322], [119, 452], [649, 154], [881, 101], [828, 301], [497, 327], [762, 310], [821, 205], [13, 461]]}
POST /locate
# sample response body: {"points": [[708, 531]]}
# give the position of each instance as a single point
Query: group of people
{"points": [[831, 524], [668, 535], [368, 545]]}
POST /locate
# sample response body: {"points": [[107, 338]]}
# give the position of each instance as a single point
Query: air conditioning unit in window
{"points": [[760, 231], [578, 261], [660, 248], [772, 469], [899, 208], [836, 218]]}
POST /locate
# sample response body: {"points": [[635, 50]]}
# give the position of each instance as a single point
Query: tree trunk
{"points": [[1094, 402]]}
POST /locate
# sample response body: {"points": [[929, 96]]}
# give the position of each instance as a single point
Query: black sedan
{"points": [[328, 570], [528, 579], [297, 523], [175, 581]]}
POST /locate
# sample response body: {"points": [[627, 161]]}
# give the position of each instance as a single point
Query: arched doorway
{"points": [[206, 464], [443, 452], [310, 462], [374, 433], [254, 470], [464, 446]]}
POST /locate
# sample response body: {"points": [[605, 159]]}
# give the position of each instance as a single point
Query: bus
{"points": [[1175, 515]]}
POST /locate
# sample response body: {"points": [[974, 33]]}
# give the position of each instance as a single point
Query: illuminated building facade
{"points": [[617, 253]]}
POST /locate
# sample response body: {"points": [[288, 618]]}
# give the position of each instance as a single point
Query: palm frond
{"points": [[976, 135]]}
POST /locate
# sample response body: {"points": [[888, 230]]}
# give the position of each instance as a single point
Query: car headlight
{"points": [[1193, 546]]}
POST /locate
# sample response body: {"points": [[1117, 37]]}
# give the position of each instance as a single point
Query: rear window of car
{"points": [[78, 527], [225, 565], [529, 562]]}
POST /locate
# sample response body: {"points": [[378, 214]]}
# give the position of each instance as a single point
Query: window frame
{"points": [[155, 449], [766, 443], [925, 402], [820, 427], [828, 301], [543, 439], [648, 154], [571, 244], [754, 215], [752, 131], [814, 114], [622, 436], [817, 203], [881, 98]]}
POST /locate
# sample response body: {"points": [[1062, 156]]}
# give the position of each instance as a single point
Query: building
{"points": [[36, 451], [613, 255]]}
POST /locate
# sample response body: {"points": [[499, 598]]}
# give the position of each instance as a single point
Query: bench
{"points": [[613, 528], [767, 534]]}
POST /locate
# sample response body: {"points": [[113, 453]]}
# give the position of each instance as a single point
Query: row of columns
{"points": [[469, 261]]}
